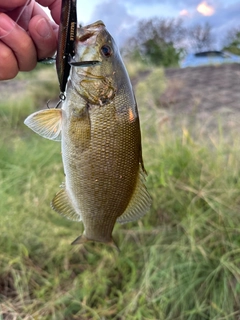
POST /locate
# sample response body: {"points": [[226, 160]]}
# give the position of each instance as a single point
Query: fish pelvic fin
{"points": [[62, 204], [83, 239], [47, 123]]}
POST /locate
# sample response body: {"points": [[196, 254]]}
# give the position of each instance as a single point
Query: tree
{"points": [[232, 42], [200, 37], [156, 41]]}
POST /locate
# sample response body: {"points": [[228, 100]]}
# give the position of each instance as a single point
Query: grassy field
{"points": [[181, 261]]}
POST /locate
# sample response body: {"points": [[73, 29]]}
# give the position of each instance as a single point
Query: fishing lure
{"points": [[66, 40]]}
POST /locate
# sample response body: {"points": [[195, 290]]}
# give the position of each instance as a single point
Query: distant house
{"points": [[209, 58]]}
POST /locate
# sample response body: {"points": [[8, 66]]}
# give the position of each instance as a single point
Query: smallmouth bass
{"points": [[98, 126]]}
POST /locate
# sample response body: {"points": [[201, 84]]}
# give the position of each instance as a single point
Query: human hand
{"points": [[33, 36]]}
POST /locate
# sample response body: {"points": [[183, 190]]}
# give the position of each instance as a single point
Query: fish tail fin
{"points": [[83, 239], [113, 244]]}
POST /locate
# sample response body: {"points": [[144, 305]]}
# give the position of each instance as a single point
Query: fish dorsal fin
{"points": [[47, 123], [62, 204], [139, 203]]}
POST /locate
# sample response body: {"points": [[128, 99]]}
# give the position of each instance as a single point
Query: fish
{"points": [[99, 129]]}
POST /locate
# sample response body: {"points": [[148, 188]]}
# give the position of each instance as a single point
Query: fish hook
{"points": [[57, 105], [59, 102]]}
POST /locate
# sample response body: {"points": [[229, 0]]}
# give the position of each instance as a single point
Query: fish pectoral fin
{"points": [[47, 123], [139, 203], [61, 203]]}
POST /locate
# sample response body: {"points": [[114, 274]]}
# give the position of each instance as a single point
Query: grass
{"points": [[181, 261]]}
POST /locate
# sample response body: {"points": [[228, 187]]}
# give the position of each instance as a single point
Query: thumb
{"points": [[44, 35]]}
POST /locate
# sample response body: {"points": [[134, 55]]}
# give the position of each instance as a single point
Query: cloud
{"points": [[121, 16], [184, 12], [225, 17], [116, 17], [205, 9], [181, 3]]}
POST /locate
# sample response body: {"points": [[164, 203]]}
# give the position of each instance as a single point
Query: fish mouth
{"points": [[84, 63], [97, 24], [85, 37], [87, 34], [86, 45]]}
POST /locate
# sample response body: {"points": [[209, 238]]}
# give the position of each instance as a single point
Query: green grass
{"points": [[181, 261]]}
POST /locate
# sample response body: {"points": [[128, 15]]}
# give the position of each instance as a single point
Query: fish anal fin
{"points": [[47, 123], [139, 203], [61, 203]]}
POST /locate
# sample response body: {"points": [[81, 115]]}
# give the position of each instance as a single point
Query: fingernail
{"points": [[43, 28]]}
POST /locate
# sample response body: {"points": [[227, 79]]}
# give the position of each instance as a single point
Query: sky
{"points": [[121, 16]]}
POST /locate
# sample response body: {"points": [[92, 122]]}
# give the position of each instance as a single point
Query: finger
{"points": [[13, 4], [38, 10], [19, 42], [43, 36], [8, 63], [54, 6], [23, 14]]}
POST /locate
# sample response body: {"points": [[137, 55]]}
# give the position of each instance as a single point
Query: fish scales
{"points": [[99, 129], [101, 191]]}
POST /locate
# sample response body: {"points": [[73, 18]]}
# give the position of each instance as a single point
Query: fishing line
{"points": [[18, 18]]}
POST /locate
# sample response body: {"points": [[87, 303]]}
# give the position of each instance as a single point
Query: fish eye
{"points": [[106, 50]]}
